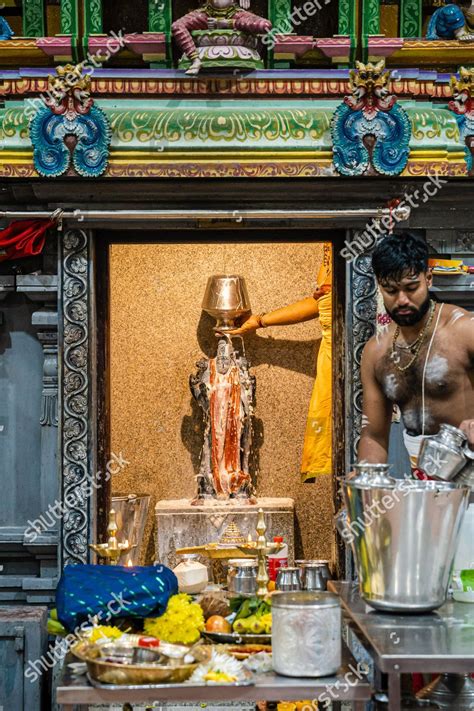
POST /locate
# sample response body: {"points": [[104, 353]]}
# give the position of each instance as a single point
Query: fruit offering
{"points": [[254, 616], [216, 623]]}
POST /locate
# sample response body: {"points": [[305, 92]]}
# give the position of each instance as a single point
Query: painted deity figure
{"points": [[225, 392], [215, 15], [452, 22], [6, 31]]}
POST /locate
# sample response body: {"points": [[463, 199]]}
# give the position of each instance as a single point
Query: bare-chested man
{"points": [[424, 363]]}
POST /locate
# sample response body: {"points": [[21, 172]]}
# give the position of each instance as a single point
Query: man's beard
{"points": [[415, 315]]}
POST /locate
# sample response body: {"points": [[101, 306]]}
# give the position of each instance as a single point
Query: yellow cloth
{"points": [[317, 449]]}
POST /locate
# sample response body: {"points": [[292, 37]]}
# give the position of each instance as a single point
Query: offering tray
{"points": [[236, 638], [145, 671], [248, 681], [216, 551]]}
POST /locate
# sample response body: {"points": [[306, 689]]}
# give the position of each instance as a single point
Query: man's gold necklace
{"points": [[416, 343]]}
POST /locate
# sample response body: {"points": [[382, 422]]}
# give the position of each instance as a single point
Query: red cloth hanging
{"points": [[25, 238]]}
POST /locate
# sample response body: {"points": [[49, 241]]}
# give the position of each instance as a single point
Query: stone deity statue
{"points": [[215, 15], [225, 391]]}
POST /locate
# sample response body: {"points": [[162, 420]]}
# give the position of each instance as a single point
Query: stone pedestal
{"points": [[179, 524]]}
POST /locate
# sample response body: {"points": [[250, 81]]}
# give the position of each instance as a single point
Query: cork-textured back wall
{"points": [[158, 332]]}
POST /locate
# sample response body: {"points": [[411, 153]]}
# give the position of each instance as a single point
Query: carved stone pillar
{"points": [[49, 406], [43, 290], [361, 322], [360, 326], [49, 396], [78, 452]]}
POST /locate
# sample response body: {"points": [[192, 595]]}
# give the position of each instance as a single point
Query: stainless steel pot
{"points": [[404, 537]]}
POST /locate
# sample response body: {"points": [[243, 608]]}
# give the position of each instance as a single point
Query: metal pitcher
{"points": [[444, 455], [288, 579], [314, 575], [404, 539], [372, 474], [242, 576]]}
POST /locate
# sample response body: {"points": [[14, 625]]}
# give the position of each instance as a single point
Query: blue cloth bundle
{"points": [[109, 591]]}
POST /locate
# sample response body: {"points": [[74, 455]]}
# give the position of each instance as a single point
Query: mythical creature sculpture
{"points": [[69, 111], [462, 104], [371, 111], [225, 392], [220, 15], [6, 31], [452, 22]]}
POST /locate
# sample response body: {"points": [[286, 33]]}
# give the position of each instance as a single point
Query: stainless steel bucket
{"points": [[404, 537]]}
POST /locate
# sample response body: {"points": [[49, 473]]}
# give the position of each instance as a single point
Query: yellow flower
{"points": [[181, 623], [103, 631]]}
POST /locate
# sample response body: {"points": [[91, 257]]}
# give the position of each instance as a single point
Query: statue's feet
{"points": [[195, 67], [468, 37]]}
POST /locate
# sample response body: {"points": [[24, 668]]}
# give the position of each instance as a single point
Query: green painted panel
{"points": [[69, 17], [221, 128], [370, 17], [279, 13], [410, 18], [347, 17], [33, 18], [70, 24], [159, 16], [93, 17], [233, 125], [433, 127], [159, 20]]}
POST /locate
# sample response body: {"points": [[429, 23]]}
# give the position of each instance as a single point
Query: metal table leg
{"points": [[394, 692]]}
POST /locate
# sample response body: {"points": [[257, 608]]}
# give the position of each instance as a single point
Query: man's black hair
{"points": [[399, 255]]}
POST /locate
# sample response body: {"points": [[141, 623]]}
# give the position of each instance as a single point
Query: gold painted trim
{"points": [[436, 155], [223, 157]]}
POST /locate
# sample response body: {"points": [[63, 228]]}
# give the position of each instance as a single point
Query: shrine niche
{"points": [[233, 442]]}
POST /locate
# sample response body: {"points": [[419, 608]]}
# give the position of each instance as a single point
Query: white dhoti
{"points": [[413, 445]]}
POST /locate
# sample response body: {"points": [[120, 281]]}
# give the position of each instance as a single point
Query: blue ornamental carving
{"points": [[69, 129], [370, 111], [6, 31]]}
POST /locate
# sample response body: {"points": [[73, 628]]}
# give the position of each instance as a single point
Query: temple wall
{"points": [[158, 332]]}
